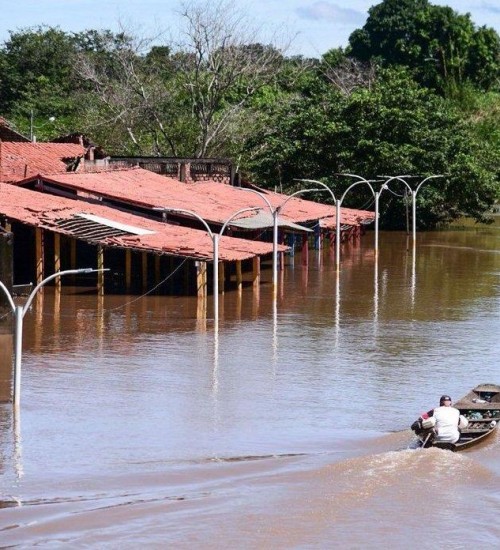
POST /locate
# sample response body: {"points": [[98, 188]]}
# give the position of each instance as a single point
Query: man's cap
{"points": [[445, 398]]}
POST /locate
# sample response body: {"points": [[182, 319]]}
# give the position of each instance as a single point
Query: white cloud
{"points": [[326, 11]]}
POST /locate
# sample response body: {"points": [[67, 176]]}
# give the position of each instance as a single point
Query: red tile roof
{"points": [[48, 211], [215, 202], [300, 210], [20, 160], [8, 133]]}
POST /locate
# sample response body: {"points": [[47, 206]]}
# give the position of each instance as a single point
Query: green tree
{"points": [[395, 127], [442, 47], [37, 76]]}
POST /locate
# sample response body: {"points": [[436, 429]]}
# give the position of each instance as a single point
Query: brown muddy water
{"points": [[141, 426]]}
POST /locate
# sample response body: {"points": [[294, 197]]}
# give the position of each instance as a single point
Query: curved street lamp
{"points": [[19, 313], [413, 193], [33, 127], [215, 243], [275, 213], [338, 203], [376, 195]]}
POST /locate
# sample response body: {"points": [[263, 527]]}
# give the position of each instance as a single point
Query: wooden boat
{"points": [[481, 407]]}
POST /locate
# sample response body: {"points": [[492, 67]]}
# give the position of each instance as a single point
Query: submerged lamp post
{"points": [[274, 214], [376, 195], [325, 187], [275, 211], [413, 193], [215, 243], [338, 203], [19, 313]]}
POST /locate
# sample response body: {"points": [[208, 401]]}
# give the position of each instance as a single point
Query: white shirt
{"points": [[447, 424]]}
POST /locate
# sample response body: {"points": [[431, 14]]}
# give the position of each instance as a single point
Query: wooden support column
{"points": [[100, 325], [304, 278], [39, 324], [144, 271], [39, 252], [128, 269], [256, 272], [331, 238], [57, 260], [57, 316], [305, 249], [256, 287], [202, 292], [201, 279], [8, 227], [100, 274], [281, 255], [239, 276], [281, 260]]}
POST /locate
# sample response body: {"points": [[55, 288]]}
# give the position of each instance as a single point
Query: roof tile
{"points": [[213, 201], [48, 211], [20, 160]]}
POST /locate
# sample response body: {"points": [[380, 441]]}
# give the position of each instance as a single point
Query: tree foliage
{"points": [[442, 47], [395, 127], [36, 76]]}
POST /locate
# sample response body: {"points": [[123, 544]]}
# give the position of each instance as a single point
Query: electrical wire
{"points": [[131, 301]]}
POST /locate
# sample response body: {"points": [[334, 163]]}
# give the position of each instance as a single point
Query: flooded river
{"points": [[142, 426]]}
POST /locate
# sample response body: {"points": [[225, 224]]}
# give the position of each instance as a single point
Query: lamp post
{"points": [[376, 195], [413, 193], [326, 188], [215, 243], [19, 313], [33, 127], [275, 213], [414, 205], [338, 203]]}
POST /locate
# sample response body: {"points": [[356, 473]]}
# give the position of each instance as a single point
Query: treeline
{"points": [[416, 91]]}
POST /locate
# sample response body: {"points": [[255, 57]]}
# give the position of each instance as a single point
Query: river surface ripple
{"points": [[140, 425]]}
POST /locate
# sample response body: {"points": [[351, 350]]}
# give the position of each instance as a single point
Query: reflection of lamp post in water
{"points": [[19, 313], [413, 193], [214, 237]]}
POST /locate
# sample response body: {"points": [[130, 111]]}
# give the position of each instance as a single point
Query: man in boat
{"points": [[446, 421]]}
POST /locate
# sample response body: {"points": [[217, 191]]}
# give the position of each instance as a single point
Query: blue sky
{"points": [[319, 24]]}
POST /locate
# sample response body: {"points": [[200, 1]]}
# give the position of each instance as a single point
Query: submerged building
{"points": [[69, 206]]}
